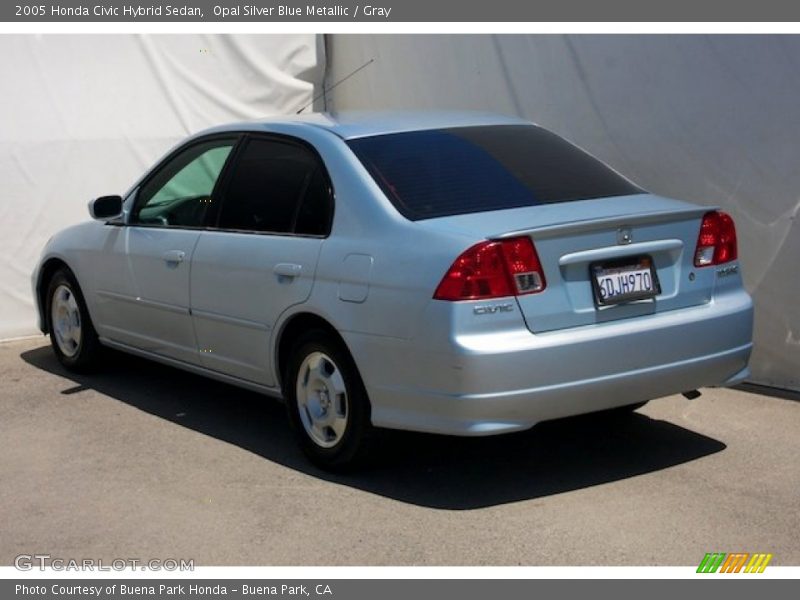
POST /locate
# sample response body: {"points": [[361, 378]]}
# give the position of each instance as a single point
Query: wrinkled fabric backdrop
{"points": [[710, 119], [84, 115]]}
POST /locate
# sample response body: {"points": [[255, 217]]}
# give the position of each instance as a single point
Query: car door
{"points": [[260, 259], [146, 305]]}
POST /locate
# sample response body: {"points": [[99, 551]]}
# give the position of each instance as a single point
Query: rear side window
{"points": [[277, 187], [442, 172]]}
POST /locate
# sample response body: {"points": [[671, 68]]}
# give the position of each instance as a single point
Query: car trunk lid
{"points": [[576, 240]]}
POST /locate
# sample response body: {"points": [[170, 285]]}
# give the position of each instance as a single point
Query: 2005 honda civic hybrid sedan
{"points": [[454, 273]]}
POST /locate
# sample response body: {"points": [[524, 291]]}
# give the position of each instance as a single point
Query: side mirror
{"points": [[105, 208]]}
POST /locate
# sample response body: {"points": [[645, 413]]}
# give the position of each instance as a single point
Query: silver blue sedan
{"points": [[453, 273]]}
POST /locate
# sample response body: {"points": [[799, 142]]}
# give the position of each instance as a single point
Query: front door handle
{"points": [[287, 270], [173, 257]]}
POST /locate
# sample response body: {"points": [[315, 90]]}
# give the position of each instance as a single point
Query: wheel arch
{"points": [[291, 329], [46, 271]]}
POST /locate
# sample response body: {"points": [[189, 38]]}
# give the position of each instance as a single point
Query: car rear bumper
{"points": [[492, 383]]}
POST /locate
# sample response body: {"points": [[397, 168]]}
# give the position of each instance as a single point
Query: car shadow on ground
{"points": [[427, 470]]}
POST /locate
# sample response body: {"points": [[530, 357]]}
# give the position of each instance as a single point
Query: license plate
{"points": [[625, 280]]}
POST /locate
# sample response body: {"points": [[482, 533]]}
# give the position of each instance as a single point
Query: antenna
{"points": [[342, 80]]}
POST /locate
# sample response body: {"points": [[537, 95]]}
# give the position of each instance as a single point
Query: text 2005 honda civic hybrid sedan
{"points": [[460, 274]]}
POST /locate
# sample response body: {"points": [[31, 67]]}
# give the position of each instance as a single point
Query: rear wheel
{"points": [[327, 403], [72, 334]]}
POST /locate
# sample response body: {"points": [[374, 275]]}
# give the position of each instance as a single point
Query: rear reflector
{"points": [[493, 269], [716, 243]]}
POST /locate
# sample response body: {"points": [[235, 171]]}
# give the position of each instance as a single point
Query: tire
{"points": [[72, 333], [327, 403]]}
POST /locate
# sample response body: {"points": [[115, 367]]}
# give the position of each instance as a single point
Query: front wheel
{"points": [[327, 403], [72, 334]]}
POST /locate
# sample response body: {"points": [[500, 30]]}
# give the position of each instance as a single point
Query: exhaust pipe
{"points": [[692, 395]]}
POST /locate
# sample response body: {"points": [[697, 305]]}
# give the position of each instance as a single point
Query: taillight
{"points": [[493, 269], [716, 243]]}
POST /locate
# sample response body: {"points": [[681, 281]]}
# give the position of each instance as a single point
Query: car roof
{"points": [[355, 124]]}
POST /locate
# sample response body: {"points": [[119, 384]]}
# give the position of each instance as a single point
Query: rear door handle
{"points": [[287, 270], [173, 256]]}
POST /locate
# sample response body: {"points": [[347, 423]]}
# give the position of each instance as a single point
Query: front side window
{"points": [[179, 195], [277, 187], [443, 172]]}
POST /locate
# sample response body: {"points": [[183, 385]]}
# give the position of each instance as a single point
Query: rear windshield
{"points": [[442, 172]]}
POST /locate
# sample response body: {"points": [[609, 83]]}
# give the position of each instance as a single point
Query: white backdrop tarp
{"points": [[710, 119], [85, 115]]}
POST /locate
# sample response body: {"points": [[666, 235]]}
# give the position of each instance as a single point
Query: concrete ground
{"points": [[144, 461]]}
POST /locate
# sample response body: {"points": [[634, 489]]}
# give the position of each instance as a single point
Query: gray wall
{"points": [[711, 119]]}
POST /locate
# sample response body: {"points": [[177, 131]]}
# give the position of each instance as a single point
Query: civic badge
{"points": [[624, 236]]}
